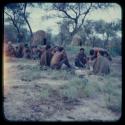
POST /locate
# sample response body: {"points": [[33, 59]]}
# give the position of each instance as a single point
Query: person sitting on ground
{"points": [[107, 55], [39, 52], [81, 59], [11, 49], [54, 49], [93, 55], [59, 58], [27, 52], [95, 50], [101, 64], [6, 48], [42, 49], [17, 52], [21, 47], [34, 53], [46, 56]]}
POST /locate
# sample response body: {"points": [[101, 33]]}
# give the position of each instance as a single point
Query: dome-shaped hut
{"points": [[39, 38], [76, 40]]}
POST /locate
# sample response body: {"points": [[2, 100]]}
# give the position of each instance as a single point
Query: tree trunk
{"points": [[13, 21], [106, 42], [31, 33], [16, 27], [25, 18]]}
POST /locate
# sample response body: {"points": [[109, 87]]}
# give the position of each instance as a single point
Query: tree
{"points": [[10, 31], [64, 32], [49, 35], [87, 32], [109, 30], [77, 12], [25, 15], [13, 13], [16, 12]]}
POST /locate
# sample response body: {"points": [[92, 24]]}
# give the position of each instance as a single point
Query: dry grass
{"points": [[60, 90]]}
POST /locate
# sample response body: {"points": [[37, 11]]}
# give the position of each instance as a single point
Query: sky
{"points": [[37, 23]]}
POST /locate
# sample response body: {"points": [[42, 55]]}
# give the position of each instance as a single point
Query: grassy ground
{"points": [[34, 94]]}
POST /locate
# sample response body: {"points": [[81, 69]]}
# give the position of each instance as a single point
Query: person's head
{"points": [[56, 48], [106, 54], [44, 41], [48, 47], [81, 50], [101, 53], [26, 45], [91, 52], [60, 49]]}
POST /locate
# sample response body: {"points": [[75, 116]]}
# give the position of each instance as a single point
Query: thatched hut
{"points": [[39, 38], [76, 40]]}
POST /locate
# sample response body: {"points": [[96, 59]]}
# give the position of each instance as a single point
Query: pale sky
{"points": [[37, 23]]}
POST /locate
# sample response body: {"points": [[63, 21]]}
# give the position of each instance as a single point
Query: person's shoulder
{"points": [[56, 53]]}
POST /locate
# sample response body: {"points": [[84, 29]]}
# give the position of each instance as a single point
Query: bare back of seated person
{"points": [[57, 58]]}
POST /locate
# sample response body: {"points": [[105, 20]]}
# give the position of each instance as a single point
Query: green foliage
{"points": [[73, 50], [11, 34], [17, 14], [116, 46], [115, 51]]}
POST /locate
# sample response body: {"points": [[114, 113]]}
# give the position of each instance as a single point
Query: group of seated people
{"points": [[55, 57], [22, 51]]}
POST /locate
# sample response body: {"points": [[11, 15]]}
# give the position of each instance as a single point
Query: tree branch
{"points": [[61, 16], [67, 14], [7, 14], [85, 16], [73, 11], [25, 5], [13, 21], [79, 10], [64, 11]]}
